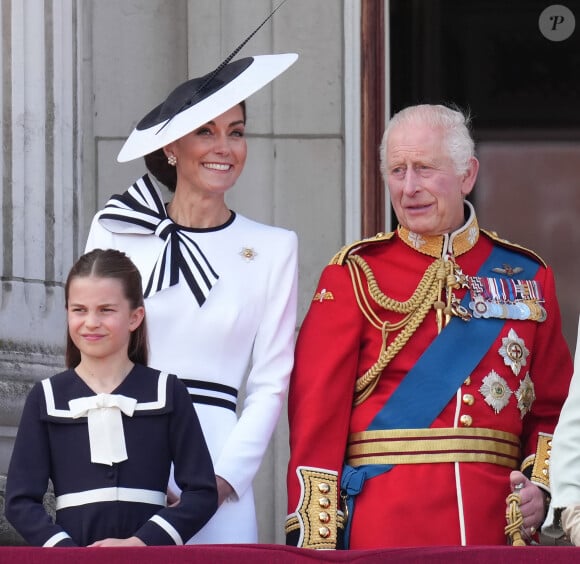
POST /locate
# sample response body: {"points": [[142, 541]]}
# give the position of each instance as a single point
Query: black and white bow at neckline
{"points": [[140, 210]]}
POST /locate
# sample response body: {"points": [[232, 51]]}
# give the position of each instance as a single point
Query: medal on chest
{"points": [[506, 298]]}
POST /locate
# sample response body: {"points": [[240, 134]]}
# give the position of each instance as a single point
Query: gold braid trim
{"points": [[318, 514], [537, 466], [427, 294], [515, 520], [342, 255]]}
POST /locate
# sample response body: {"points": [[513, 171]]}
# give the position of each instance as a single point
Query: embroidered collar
{"points": [[454, 244], [140, 210]]}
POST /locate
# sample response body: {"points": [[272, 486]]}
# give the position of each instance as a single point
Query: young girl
{"points": [[106, 430]]}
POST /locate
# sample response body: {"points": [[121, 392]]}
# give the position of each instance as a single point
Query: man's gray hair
{"points": [[455, 125]]}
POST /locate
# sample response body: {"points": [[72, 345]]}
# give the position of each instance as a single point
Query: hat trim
{"points": [[262, 70]]}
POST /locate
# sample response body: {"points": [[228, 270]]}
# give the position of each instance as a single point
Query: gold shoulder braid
{"points": [[342, 256], [440, 274]]}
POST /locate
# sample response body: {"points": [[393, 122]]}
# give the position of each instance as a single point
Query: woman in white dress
{"points": [[220, 288]]}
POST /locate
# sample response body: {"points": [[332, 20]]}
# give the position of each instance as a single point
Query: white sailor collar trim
{"points": [[160, 404]]}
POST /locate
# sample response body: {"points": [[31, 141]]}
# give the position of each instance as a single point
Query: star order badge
{"points": [[514, 351], [526, 395], [495, 391]]}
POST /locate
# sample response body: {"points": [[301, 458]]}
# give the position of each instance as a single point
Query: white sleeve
{"points": [[267, 383], [565, 457]]}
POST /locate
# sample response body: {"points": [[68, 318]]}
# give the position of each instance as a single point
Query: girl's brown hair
{"points": [[110, 263]]}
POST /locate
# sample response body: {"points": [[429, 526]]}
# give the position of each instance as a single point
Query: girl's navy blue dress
{"points": [[96, 501]]}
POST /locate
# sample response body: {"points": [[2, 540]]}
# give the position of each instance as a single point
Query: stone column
{"points": [[39, 220]]}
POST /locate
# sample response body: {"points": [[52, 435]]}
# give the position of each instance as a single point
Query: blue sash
{"points": [[466, 343]]}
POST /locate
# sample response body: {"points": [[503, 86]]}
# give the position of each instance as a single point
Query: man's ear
{"points": [[470, 176]]}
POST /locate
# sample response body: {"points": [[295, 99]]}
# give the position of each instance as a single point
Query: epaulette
{"points": [[505, 243], [340, 257]]}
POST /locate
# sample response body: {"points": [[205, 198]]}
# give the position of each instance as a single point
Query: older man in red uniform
{"points": [[430, 369]]}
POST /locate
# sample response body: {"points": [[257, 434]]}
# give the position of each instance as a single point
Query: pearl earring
{"points": [[172, 160]]}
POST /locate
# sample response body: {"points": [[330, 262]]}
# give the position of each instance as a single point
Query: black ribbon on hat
{"points": [[140, 210], [203, 86], [182, 98]]}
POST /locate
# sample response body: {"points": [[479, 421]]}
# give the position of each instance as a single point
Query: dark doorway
{"points": [[511, 68]]}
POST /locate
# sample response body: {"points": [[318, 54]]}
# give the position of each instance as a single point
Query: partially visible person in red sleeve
{"points": [[430, 369]]}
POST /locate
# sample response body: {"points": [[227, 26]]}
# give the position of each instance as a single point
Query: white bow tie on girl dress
{"points": [[106, 435]]}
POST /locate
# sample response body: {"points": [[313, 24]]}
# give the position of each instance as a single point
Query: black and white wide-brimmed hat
{"points": [[202, 99]]}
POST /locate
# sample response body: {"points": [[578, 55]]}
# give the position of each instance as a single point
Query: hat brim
{"points": [[262, 70]]}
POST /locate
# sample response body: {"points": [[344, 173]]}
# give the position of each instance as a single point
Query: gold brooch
{"points": [[248, 254]]}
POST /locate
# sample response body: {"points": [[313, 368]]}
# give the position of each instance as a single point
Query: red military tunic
{"points": [[425, 503]]}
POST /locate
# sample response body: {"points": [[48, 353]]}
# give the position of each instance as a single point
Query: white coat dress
{"points": [[244, 326]]}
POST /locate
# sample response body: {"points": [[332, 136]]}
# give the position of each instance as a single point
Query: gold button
{"points": [[468, 399], [324, 502], [467, 381], [324, 517], [324, 532], [466, 420], [323, 487]]}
